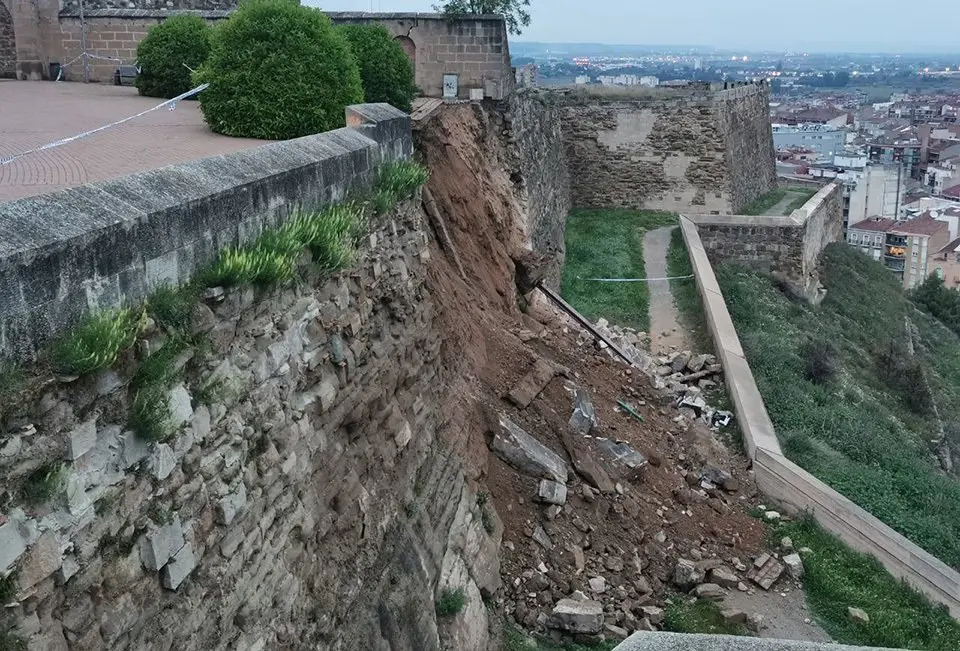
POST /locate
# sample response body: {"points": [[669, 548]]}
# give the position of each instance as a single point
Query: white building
{"points": [[875, 191], [826, 140]]}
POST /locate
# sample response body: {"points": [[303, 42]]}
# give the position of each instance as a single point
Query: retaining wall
{"points": [[789, 484], [105, 244], [788, 247]]}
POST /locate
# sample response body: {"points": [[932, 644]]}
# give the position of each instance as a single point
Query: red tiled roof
{"points": [[951, 247], [953, 192], [919, 226], [878, 224]]}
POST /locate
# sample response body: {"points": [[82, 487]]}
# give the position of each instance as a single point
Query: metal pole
{"points": [[83, 45]]}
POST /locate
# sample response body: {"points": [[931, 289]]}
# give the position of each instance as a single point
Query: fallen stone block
{"points": [[709, 591], [541, 538], [623, 453], [527, 454], [857, 616], [687, 575], [577, 617], [733, 616], [552, 492], [765, 573], [531, 384], [584, 417], [724, 578], [794, 565]]}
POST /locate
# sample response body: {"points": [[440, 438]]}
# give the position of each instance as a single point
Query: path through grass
{"points": [[608, 243]]}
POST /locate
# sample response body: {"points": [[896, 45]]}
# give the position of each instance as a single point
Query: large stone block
{"points": [[574, 616], [159, 546], [527, 454]]}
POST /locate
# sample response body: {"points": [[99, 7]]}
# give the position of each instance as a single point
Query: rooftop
{"points": [[922, 225]]}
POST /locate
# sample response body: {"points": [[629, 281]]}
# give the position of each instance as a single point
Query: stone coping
{"points": [[787, 483], [144, 13], [410, 15]]}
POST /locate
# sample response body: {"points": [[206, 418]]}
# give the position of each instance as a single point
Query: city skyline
{"points": [[878, 26]]}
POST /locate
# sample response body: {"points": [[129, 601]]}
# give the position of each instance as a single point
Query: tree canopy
{"points": [[514, 12]]}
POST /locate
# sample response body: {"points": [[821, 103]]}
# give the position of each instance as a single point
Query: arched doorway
{"points": [[409, 47], [8, 44]]}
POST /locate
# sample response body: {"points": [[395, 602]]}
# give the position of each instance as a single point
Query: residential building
{"points": [[869, 235], [825, 139], [528, 74], [909, 246], [876, 190], [945, 263], [899, 146]]}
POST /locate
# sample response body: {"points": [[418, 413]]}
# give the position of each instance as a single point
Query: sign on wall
{"points": [[451, 86]]}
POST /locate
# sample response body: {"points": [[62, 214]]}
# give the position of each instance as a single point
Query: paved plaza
{"points": [[34, 113]]}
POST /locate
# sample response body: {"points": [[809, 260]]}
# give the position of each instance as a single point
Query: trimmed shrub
{"points": [[169, 54], [385, 69], [278, 70]]}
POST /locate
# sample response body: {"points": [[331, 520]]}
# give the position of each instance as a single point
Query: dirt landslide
{"points": [[621, 530]]}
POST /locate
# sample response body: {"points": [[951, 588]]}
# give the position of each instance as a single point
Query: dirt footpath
{"points": [[665, 331]]}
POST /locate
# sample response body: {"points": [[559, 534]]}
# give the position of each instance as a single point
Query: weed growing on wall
{"points": [[43, 484], [97, 342], [397, 181], [451, 602], [172, 307]]}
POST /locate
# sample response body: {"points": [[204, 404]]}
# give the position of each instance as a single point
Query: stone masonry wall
{"points": [[537, 137], [73, 6], [113, 242], [110, 33], [307, 500], [787, 247], [675, 150], [8, 44], [474, 48]]}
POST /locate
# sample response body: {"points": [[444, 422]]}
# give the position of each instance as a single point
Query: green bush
{"points": [[278, 70], [385, 69], [168, 54]]}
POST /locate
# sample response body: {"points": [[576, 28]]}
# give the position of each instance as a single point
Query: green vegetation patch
{"points": [[44, 484], [609, 244], [838, 578], [861, 424], [700, 616], [514, 639], [451, 602], [802, 197], [385, 69], [98, 341], [169, 53], [764, 202]]}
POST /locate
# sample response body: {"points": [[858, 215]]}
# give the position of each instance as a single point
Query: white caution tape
{"points": [[634, 280], [58, 143], [89, 56]]}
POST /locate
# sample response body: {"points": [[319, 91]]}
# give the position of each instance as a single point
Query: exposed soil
{"points": [[631, 536], [666, 334]]}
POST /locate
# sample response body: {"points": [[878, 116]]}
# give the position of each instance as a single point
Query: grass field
{"points": [[860, 427], [837, 577], [765, 202], [609, 244]]}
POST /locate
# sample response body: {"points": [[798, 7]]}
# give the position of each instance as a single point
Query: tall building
{"points": [[826, 140], [907, 248]]}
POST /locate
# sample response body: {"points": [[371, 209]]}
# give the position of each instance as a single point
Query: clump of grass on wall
{"points": [[398, 180], [97, 342]]}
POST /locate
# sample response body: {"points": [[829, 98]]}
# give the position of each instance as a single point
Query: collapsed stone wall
{"points": [[306, 500], [674, 150], [535, 129], [789, 247]]}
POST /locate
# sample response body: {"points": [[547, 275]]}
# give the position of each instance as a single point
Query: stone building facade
{"points": [[681, 150], [470, 53]]}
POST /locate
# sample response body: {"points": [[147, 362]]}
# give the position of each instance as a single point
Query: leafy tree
{"points": [[937, 299], [513, 11], [169, 53], [278, 70], [385, 69]]}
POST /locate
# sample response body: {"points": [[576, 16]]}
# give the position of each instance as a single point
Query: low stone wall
{"points": [[105, 244], [537, 135], [789, 484], [685, 642], [789, 247]]}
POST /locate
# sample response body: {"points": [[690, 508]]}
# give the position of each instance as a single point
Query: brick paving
{"points": [[33, 113]]}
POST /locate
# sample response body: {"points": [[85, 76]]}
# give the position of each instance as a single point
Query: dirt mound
{"points": [[628, 530]]}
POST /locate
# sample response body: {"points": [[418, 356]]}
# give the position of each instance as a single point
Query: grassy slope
{"points": [[853, 433], [838, 577], [764, 202], [803, 196], [609, 244]]}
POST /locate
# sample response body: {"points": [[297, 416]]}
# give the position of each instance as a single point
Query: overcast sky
{"points": [[815, 25]]}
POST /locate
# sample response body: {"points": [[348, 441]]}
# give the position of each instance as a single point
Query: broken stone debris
{"points": [[531, 384], [794, 565], [577, 616], [552, 492], [584, 417], [687, 575], [622, 452], [526, 454], [766, 571]]}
